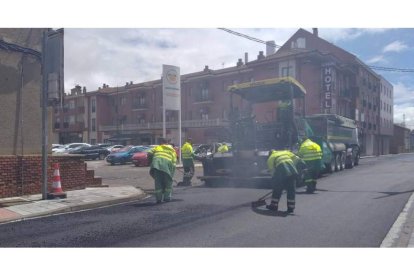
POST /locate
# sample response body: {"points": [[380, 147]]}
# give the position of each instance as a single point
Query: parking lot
{"points": [[128, 174]]}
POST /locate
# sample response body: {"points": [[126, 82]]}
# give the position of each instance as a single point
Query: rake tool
{"points": [[261, 201]]}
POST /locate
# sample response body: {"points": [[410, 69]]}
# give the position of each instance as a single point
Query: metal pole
{"points": [[44, 122], [179, 134]]}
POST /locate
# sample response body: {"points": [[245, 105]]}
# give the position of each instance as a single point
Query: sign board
{"points": [[171, 87], [328, 77]]}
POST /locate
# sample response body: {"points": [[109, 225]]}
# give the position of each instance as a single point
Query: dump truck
{"points": [[252, 140]]}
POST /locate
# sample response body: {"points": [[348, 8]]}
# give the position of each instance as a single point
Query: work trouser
{"points": [[288, 184], [312, 173], [163, 185], [188, 173]]}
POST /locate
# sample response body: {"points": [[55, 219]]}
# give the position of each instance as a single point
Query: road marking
{"points": [[396, 228]]}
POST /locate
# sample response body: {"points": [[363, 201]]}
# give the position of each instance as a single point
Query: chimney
{"points": [[130, 83], [206, 68], [260, 56], [126, 84], [246, 58], [315, 31], [84, 90], [240, 62], [270, 47]]}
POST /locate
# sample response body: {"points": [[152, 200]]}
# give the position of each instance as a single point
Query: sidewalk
{"points": [[20, 208]]}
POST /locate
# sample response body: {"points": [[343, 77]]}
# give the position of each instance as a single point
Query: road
{"points": [[352, 208]]}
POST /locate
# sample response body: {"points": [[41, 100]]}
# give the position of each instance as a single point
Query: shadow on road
{"points": [[152, 203], [269, 213]]}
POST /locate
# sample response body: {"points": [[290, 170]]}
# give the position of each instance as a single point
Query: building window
{"points": [[93, 141], [140, 101], [123, 100], [71, 120], [71, 104], [203, 95], [286, 71], [93, 105], [93, 123], [141, 119]]}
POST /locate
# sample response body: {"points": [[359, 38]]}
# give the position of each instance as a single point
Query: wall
{"points": [[22, 175], [20, 112]]}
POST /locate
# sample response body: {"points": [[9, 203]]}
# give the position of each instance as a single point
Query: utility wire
{"points": [[380, 68]]}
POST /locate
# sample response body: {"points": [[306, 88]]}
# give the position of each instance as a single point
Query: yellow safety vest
{"points": [[309, 151], [187, 151]]}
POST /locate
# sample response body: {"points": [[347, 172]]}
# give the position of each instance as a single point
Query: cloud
{"points": [[404, 104], [377, 59], [396, 46], [346, 34], [115, 56]]}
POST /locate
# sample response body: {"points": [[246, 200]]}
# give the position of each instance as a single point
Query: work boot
{"points": [[272, 207], [290, 210], [159, 201], [167, 199]]}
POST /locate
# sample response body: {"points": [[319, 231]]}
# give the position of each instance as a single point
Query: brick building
{"points": [[335, 80], [400, 141]]}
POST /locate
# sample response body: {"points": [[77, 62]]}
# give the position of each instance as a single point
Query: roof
{"points": [[268, 90]]}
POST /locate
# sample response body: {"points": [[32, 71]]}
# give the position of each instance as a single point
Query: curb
{"points": [[80, 207], [397, 233]]}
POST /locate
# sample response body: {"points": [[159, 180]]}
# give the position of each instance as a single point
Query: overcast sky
{"points": [[115, 56]]}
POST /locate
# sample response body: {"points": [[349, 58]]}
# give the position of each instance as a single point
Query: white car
{"points": [[68, 147]]}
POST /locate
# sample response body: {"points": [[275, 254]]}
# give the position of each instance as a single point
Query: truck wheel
{"points": [[331, 166], [342, 160], [337, 162], [356, 162]]}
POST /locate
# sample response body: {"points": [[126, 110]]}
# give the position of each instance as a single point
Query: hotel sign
{"points": [[328, 75]]}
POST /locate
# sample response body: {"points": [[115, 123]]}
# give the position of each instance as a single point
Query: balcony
{"points": [[67, 127], [158, 125]]}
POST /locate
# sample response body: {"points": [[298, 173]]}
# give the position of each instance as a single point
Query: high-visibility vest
{"points": [[166, 152], [223, 148], [309, 151], [277, 158], [187, 151]]}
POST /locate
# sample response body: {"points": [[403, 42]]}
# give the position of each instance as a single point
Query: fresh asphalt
{"points": [[352, 208]]}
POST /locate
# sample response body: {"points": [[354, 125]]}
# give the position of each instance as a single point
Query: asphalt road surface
{"points": [[352, 208]]}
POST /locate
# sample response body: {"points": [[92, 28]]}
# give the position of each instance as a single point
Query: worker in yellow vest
{"points": [[311, 153], [281, 164], [223, 148], [187, 155], [163, 161]]}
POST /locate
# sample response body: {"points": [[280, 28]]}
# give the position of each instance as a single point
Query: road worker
{"points": [[311, 153], [281, 164], [223, 148], [163, 161], [188, 162]]}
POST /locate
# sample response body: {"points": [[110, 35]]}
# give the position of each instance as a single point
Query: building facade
{"points": [[386, 107], [20, 90], [400, 141], [336, 82]]}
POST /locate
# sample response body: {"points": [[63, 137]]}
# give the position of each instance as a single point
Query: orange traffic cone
{"points": [[56, 186]]}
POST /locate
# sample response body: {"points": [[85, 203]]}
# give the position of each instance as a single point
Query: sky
{"points": [[114, 56]]}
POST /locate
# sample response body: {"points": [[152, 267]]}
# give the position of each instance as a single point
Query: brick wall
{"points": [[22, 175]]}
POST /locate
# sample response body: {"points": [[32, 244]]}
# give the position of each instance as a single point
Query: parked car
{"points": [[141, 158], [115, 148], [124, 155], [90, 152], [68, 147]]}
